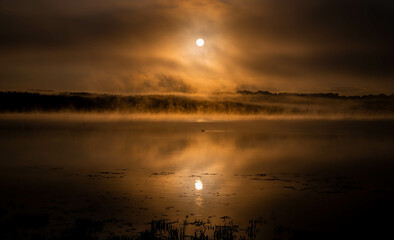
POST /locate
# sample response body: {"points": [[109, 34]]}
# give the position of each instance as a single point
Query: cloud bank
{"points": [[149, 46]]}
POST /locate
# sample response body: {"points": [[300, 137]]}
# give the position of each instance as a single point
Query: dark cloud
{"points": [[172, 84], [318, 21], [65, 27], [124, 45], [323, 36], [329, 63]]}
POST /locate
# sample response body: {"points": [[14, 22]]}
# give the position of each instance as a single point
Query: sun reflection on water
{"points": [[198, 184]]}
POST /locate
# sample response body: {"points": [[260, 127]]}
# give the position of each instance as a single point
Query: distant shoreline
{"points": [[243, 103]]}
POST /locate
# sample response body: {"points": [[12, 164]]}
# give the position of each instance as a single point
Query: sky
{"points": [[134, 46]]}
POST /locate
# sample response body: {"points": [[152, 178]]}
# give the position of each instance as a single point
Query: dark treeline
{"points": [[244, 102], [31, 102], [322, 95]]}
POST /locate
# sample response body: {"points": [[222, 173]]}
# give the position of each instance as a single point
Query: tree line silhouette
{"points": [[243, 102]]}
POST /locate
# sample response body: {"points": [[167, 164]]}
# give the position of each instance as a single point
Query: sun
{"points": [[200, 42]]}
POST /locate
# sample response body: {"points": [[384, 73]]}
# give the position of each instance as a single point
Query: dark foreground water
{"points": [[290, 179]]}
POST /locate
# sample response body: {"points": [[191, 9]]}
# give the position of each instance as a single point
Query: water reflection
{"points": [[199, 201], [198, 185], [271, 170]]}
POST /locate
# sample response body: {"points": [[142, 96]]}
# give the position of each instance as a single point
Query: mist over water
{"points": [[314, 176]]}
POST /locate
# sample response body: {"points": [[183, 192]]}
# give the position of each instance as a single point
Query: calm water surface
{"points": [[315, 176]]}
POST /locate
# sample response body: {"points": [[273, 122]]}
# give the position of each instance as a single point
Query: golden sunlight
{"points": [[200, 42], [198, 184]]}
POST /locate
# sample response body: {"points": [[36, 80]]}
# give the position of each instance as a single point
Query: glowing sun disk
{"points": [[200, 42]]}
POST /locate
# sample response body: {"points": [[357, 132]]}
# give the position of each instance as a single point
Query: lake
{"points": [[295, 178]]}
